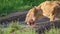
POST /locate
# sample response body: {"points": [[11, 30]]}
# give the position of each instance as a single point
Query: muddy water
{"points": [[13, 17], [22, 22], [18, 16]]}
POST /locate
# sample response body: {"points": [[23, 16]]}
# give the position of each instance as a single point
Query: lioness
{"points": [[50, 9]]}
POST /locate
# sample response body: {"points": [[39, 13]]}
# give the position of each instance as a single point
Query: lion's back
{"points": [[51, 7]]}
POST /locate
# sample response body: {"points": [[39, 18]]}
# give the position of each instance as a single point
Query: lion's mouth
{"points": [[31, 23]]}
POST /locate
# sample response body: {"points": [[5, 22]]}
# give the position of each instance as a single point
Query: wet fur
{"points": [[50, 9]]}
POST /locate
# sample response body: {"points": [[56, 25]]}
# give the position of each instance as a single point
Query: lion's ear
{"points": [[35, 7], [35, 11]]}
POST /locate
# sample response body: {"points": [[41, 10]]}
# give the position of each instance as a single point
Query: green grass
{"points": [[18, 29], [53, 31], [10, 6]]}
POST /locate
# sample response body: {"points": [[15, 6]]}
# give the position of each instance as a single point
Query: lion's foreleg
{"points": [[52, 17]]}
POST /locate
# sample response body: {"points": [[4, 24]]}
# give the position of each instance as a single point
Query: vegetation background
{"points": [[10, 6]]}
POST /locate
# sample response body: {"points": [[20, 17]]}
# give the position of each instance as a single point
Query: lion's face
{"points": [[32, 15]]}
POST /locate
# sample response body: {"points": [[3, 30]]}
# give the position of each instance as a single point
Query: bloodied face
{"points": [[32, 16]]}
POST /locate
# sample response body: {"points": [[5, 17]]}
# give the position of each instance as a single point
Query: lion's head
{"points": [[32, 15]]}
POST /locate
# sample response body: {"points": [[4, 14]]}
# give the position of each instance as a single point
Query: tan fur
{"points": [[50, 9]]}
